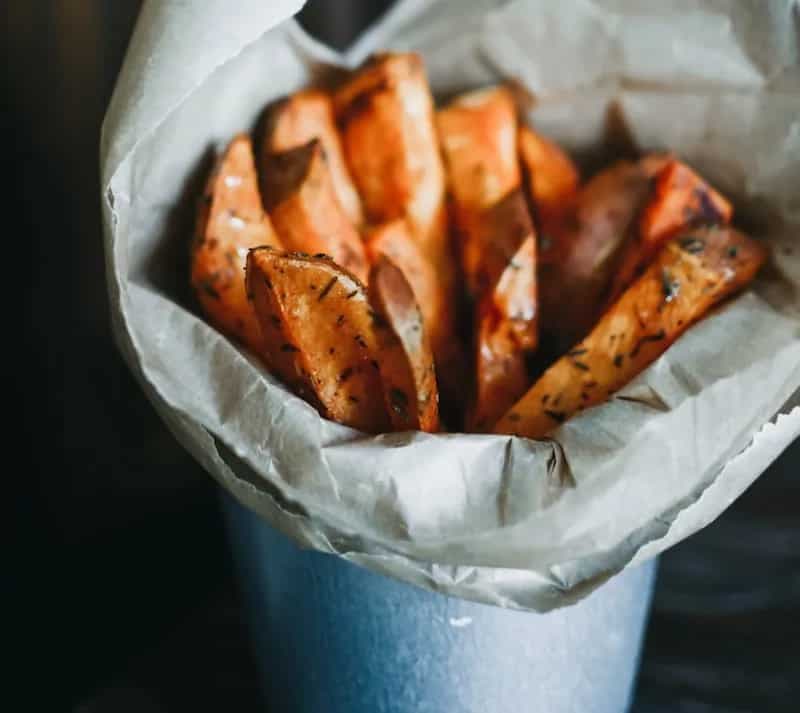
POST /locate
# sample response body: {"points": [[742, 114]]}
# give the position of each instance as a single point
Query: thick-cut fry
{"points": [[385, 113], [394, 241], [478, 133], [230, 221], [404, 352], [690, 275], [502, 233], [302, 203], [321, 335], [578, 256], [680, 200], [308, 115], [386, 116], [552, 178], [501, 374], [506, 317]]}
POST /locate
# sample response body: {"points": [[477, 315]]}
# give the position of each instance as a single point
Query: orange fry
{"points": [[230, 221], [307, 215], [385, 114], [321, 334], [552, 178], [506, 315], [308, 115], [478, 133], [405, 359], [689, 276], [680, 199], [393, 240], [579, 253]]}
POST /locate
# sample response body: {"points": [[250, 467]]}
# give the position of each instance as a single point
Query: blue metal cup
{"points": [[335, 638]]}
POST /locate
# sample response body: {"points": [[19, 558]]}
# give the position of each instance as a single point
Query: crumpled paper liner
{"points": [[496, 519]]}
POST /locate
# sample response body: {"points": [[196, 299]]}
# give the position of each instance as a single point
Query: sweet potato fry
{"points": [[321, 335], [578, 256], [506, 317], [385, 113], [305, 211], [507, 272], [680, 200], [394, 241], [501, 374], [230, 221], [478, 133], [551, 177], [689, 276], [404, 352], [308, 115]]}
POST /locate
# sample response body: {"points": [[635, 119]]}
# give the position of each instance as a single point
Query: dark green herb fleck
{"points": [[289, 347], [352, 294], [733, 251], [327, 288], [378, 321], [580, 365], [399, 402], [207, 287], [693, 245], [618, 360], [346, 374], [559, 416], [669, 286], [577, 352], [657, 337], [514, 417]]}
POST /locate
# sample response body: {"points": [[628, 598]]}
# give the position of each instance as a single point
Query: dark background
{"points": [[122, 591]]}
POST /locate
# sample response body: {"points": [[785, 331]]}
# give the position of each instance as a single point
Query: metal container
{"points": [[330, 636]]}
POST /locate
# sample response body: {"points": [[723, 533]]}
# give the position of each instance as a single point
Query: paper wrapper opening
{"points": [[497, 519]]}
